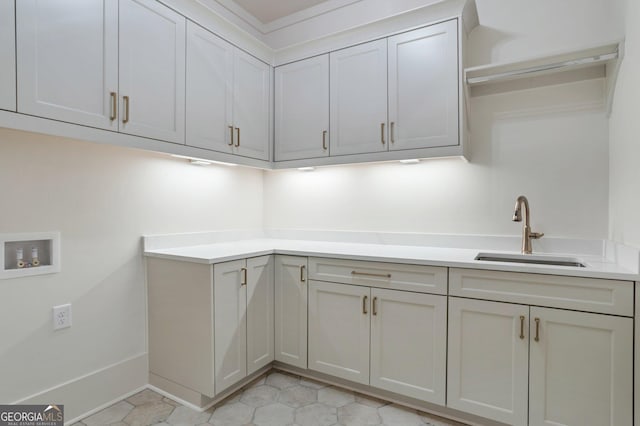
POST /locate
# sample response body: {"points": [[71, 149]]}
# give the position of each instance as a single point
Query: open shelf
{"points": [[593, 62]]}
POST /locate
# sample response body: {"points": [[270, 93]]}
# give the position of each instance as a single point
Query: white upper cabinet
{"points": [[152, 70], [580, 369], [358, 78], [251, 94], [68, 60], [8, 55], [209, 90], [423, 87], [302, 109]]}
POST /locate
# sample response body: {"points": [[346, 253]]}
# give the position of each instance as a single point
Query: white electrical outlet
{"points": [[62, 316]]}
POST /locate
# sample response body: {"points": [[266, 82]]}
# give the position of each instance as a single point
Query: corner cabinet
{"points": [[8, 55], [210, 326], [529, 365], [228, 95], [393, 98]]}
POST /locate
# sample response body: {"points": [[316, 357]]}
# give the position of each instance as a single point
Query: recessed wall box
{"points": [[29, 254]]}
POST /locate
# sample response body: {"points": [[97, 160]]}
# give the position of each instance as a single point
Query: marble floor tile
{"points": [[109, 415], [298, 396], [335, 397], [273, 415], [275, 399]]}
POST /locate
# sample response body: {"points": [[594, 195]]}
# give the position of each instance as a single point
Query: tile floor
{"points": [[276, 399]]}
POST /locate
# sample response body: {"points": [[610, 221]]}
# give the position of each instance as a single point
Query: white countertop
{"points": [[596, 266]]}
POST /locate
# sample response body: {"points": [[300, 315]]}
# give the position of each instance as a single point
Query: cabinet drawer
{"points": [[583, 294], [423, 279]]}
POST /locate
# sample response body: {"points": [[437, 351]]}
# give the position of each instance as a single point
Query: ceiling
{"points": [[268, 11]]}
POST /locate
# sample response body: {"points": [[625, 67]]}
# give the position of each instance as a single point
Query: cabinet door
{"points": [[359, 99], [68, 61], [152, 70], [230, 326], [488, 359], [580, 369], [339, 328], [302, 109], [8, 55], [251, 93], [291, 292], [423, 87], [209, 90], [409, 344], [259, 312]]}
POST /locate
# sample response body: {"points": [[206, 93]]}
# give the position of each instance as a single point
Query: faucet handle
{"points": [[536, 235]]}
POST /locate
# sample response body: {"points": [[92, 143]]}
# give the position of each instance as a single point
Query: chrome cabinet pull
{"points": [[230, 136], [125, 101], [391, 130], [537, 338], [364, 305], [237, 137], [302, 268], [374, 309], [324, 140], [522, 326], [369, 274], [114, 106], [382, 133], [244, 276]]}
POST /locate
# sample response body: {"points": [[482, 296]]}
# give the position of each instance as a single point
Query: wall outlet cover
{"points": [[62, 316]]}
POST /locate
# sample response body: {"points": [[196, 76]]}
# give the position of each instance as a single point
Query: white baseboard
{"points": [[88, 394]]}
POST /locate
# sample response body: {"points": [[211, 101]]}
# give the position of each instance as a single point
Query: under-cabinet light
{"points": [[411, 161], [202, 161], [306, 169]]}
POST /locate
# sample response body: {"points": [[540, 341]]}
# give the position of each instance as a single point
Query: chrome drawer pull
{"points": [[369, 274]]}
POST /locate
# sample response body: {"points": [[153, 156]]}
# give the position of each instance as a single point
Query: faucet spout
{"points": [[527, 234]]}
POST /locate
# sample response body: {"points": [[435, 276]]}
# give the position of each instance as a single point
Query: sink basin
{"points": [[531, 258]]}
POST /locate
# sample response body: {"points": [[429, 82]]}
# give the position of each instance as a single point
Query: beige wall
{"points": [[102, 199], [625, 140]]}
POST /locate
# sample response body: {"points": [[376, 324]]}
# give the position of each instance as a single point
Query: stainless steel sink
{"points": [[531, 258]]}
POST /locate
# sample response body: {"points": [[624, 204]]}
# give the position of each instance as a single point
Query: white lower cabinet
{"points": [[580, 369], [488, 359], [389, 339], [409, 344], [230, 332], [260, 310], [291, 291], [536, 366], [209, 325], [243, 318], [339, 328]]}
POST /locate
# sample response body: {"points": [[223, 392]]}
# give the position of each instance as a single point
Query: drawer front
{"points": [[423, 279], [582, 294]]}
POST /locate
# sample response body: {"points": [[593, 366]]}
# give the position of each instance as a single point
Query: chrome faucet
{"points": [[527, 235]]}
